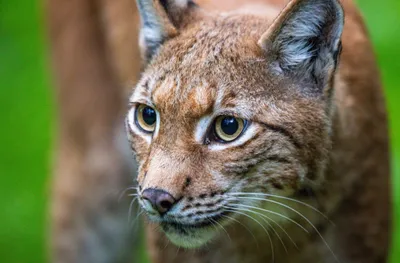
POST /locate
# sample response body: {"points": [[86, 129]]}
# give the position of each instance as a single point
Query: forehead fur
{"points": [[214, 58], [216, 41]]}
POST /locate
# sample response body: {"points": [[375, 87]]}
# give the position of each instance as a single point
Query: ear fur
{"points": [[305, 38], [159, 21]]}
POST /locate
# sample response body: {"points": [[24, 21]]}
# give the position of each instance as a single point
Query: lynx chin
{"points": [[260, 133]]}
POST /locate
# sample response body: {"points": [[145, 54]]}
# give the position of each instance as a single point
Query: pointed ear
{"points": [[305, 39], [160, 20]]}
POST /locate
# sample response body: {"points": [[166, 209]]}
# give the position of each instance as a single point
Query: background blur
{"points": [[27, 110]]}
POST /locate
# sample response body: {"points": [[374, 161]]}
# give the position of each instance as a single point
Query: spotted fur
{"points": [[279, 74], [316, 134]]}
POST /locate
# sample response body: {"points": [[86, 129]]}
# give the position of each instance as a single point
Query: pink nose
{"points": [[161, 200]]}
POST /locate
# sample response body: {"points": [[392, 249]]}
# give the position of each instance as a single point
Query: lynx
{"points": [[259, 129], [251, 134]]}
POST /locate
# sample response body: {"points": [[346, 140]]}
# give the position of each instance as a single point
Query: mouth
{"points": [[195, 234]]}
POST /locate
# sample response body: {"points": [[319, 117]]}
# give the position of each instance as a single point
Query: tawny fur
{"points": [[88, 223], [347, 162]]}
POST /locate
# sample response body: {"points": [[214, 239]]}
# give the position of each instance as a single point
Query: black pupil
{"points": [[149, 116], [229, 125]]}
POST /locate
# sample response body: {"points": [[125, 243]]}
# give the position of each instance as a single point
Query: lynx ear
{"points": [[159, 21], [305, 38]]}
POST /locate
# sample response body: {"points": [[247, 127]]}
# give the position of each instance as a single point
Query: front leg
{"points": [[89, 224]]}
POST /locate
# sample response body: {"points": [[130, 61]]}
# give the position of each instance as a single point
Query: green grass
{"points": [[383, 21], [26, 117], [25, 112]]}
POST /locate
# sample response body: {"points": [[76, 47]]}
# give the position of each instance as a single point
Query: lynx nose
{"points": [[160, 200]]}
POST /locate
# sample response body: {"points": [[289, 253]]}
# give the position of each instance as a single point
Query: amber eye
{"points": [[228, 128], [146, 118]]}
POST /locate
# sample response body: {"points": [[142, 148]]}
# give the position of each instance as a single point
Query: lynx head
{"points": [[230, 104]]}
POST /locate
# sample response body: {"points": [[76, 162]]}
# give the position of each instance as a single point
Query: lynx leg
{"points": [[88, 223]]}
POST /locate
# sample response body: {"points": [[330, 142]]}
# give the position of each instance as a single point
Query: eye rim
{"points": [[141, 123], [243, 123]]}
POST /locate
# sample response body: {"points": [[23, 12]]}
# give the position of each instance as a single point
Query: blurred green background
{"points": [[26, 121]]}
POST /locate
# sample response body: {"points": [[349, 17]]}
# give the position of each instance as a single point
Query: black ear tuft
{"points": [[305, 38], [164, 4], [337, 53], [159, 21]]}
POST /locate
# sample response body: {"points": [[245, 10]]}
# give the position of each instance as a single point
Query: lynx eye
{"points": [[146, 118], [228, 128]]}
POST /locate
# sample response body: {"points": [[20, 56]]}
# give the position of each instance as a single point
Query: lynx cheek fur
{"points": [[250, 133]]}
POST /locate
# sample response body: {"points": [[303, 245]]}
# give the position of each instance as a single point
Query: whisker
{"points": [[212, 223], [289, 199], [137, 212], [166, 245], [223, 228], [124, 191], [302, 216], [177, 251], [275, 213], [251, 233], [258, 222], [130, 208], [264, 218], [280, 204], [155, 227], [284, 231], [273, 229], [135, 220]]}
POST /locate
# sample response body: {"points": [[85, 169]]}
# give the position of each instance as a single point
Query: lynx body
{"points": [[257, 123], [259, 130]]}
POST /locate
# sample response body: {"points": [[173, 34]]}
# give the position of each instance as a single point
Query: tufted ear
{"points": [[305, 39], [160, 20]]}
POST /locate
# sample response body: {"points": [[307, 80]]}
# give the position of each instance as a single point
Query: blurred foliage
{"points": [[27, 108]]}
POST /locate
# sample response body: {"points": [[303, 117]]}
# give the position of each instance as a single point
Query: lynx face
{"points": [[230, 105]]}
